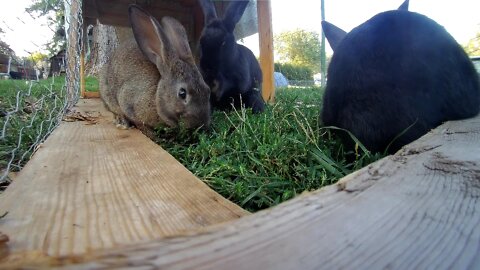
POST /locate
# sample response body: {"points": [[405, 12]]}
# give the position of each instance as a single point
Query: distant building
{"points": [[57, 64], [4, 65], [9, 68]]}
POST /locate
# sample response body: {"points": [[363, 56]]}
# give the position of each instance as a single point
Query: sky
{"points": [[24, 34], [461, 18]]}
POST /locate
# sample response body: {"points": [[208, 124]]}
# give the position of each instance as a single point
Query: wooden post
{"points": [[83, 91], [323, 56], [266, 48], [82, 74]]}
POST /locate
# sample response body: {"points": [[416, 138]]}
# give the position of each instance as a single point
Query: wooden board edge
{"points": [[88, 94]]}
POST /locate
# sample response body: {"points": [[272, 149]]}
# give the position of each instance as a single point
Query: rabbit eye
{"points": [[182, 93]]}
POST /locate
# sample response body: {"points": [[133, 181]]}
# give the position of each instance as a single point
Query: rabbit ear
{"points": [[209, 11], [233, 14], [149, 35], [177, 37], [404, 6], [333, 34]]}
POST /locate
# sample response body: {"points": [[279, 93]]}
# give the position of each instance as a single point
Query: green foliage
{"points": [[91, 84], [294, 72], [4, 47], [473, 46], [55, 12], [258, 161], [37, 57], [299, 47], [44, 7]]}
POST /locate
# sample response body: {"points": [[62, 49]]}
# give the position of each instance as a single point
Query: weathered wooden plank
{"points": [[91, 94], [93, 186], [417, 209]]}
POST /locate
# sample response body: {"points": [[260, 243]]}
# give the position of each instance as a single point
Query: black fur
{"points": [[398, 70], [404, 6], [230, 69]]}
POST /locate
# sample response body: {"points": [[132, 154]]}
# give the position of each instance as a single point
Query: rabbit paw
{"points": [[122, 123]]}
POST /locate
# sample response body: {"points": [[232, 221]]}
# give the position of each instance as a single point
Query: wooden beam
{"points": [[88, 94], [90, 9], [93, 186], [266, 49], [82, 70], [198, 27]]}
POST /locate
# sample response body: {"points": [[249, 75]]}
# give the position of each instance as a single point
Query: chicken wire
{"points": [[31, 109]]}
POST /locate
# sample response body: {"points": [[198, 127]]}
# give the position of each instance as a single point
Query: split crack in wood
{"points": [[441, 163], [408, 151], [375, 173], [466, 171]]}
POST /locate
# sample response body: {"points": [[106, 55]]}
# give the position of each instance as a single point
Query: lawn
{"points": [[91, 84], [29, 111], [258, 161]]}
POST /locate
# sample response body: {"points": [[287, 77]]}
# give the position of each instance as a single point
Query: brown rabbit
{"points": [[157, 81]]}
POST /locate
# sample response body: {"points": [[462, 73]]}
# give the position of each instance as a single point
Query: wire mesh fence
{"points": [[35, 95]]}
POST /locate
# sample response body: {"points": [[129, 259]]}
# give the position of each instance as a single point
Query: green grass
{"points": [[91, 84], [28, 112], [258, 161]]}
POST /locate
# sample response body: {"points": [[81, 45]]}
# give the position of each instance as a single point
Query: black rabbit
{"points": [[395, 77], [230, 69]]}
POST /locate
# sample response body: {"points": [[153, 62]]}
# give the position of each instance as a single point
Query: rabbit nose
{"points": [[205, 119], [197, 120]]}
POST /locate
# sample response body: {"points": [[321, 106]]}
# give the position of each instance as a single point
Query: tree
{"points": [[55, 12], [473, 46], [299, 47], [39, 60], [4, 47]]}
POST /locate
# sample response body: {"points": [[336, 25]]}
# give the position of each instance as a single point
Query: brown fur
{"points": [[141, 83]]}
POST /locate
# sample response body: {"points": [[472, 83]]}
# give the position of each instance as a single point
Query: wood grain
{"points": [[87, 94], [265, 31], [93, 186], [417, 209]]}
